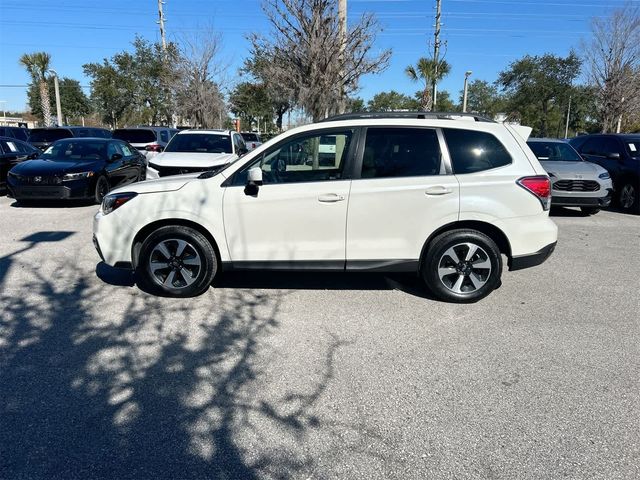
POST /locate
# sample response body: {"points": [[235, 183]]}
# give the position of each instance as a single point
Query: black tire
{"points": [[589, 210], [157, 279], [629, 198], [479, 276], [101, 189]]}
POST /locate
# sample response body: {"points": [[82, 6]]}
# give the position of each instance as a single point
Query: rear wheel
{"points": [[462, 266], [629, 198], [177, 261], [589, 210]]}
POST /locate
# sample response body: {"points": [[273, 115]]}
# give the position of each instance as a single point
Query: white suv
{"points": [[444, 196]]}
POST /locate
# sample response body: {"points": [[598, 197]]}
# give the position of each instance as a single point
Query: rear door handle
{"points": [[438, 190], [330, 198]]}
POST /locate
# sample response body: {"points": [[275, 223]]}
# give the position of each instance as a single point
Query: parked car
{"points": [[574, 182], [148, 140], [77, 168], [42, 138], [197, 150], [19, 133], [12, 152], [251, 139], [426, 193], [620, 155]]}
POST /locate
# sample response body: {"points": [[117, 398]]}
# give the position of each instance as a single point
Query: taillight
{"points": [[154, 147], [540, 186]]}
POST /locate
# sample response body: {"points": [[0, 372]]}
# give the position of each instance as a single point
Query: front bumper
{"points": [[559, 200], [526, 261], [72, 190]]}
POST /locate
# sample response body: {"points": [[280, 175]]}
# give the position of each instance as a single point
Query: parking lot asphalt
{"points": [[311, 376]]}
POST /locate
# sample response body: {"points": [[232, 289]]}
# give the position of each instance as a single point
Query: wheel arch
{"points": [[488, 229], [145, 231]]}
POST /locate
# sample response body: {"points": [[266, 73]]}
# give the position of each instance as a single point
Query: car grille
{"points": [[40, 180], [576, 186]]}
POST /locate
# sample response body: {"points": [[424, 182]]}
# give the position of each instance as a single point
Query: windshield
{"points": [[200, 143], [135, 135], [49, 134], [633, 147], [76, 151], [250, 137], [554, 152]]}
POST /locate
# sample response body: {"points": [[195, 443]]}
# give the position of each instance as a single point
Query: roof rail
{"points": [[417, 115]]}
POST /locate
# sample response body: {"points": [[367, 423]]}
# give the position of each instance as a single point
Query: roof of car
{"points": [[619, 135], [554, 140], [146, 127], [420, 115], [84, 139], [209, 131]]}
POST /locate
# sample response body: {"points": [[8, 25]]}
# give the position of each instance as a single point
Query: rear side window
{"points": [[164, 135], [400, 152], [250, 137], [473, 151], [134, 135]]}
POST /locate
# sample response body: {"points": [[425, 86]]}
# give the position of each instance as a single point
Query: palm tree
{"points": [[37, 64], [425, 71]]}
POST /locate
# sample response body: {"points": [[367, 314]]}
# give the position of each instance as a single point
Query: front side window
{"points": [[593, 146], [633, 147], [401, 152], [312, 158], [472, 151]]}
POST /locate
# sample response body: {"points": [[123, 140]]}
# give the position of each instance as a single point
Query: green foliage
{"points": [[392, 101], [134, 87], [251, 102], [425, 72], [538, 88], [37, 64], [444, 103], [355, 105], [483, 98], [73, 100]]}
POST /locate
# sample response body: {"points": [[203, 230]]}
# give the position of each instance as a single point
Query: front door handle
{"points": [[330, 198], [438, 190]]}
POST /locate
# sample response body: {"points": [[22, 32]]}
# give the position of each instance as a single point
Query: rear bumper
{"points": [[532, 260]]}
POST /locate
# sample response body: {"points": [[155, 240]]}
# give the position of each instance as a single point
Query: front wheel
{"points": [[462, 266], [102, 188], [589, 210], [629, 198], [177, 261]]}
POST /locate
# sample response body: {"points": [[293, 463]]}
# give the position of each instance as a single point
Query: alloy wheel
{"points": [[464, 268], [174, 263], [627, 196]]}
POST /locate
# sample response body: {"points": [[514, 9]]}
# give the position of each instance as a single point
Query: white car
{"points": [[426, 193], [196, 151]]}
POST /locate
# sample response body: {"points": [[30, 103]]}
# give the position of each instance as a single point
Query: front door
{"points": [[298, 217]]}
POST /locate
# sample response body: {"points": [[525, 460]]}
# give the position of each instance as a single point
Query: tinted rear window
{"points": [[135, 135], [19, 133], [473, 151], [250, 137], [49, 135]]}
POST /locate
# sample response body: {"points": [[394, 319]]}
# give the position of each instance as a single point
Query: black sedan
{"points": [[77, 168], [12, 152]]}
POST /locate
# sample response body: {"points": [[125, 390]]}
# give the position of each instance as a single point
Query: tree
{"points": [[392, 101], [483, 98], [111, 95], [445, 104], [539, 87], [355, 105], [37, 64], [613, 61], [250, 102], [425, 72], [308, 56], [75, 103]]}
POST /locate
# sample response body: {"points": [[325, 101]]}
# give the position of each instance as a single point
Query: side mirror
{"points": [[254, 180], [613, 156], [115, 156]]}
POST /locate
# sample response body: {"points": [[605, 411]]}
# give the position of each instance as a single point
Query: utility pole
{"points": [[436, 55], [342, 24], [619, 126], [56, 86], [465, 90], [161, 23], [566, 125]]}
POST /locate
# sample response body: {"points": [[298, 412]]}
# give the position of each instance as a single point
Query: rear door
{"points": [[403, 189]]}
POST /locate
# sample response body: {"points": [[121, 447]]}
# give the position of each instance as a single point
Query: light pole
{"points": [[465, 90], [57, 89]]}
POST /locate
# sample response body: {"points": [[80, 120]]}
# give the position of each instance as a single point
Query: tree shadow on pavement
{"points": [[154, 388]]}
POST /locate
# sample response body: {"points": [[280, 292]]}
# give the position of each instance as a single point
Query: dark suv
{"points": [[620, 155], [42, 138], [19, 133]]}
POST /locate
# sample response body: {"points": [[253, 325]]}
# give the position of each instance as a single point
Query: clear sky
{"points": [[480, 35]]}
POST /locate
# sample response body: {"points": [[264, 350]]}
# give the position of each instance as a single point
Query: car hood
{"points": [[569, 170], [165, 184], [54, 167], [195, 160]]}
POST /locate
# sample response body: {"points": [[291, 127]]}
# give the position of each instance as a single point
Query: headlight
{"points": [[18, 177], [77, 176], [604, 176], [115, 200]]}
